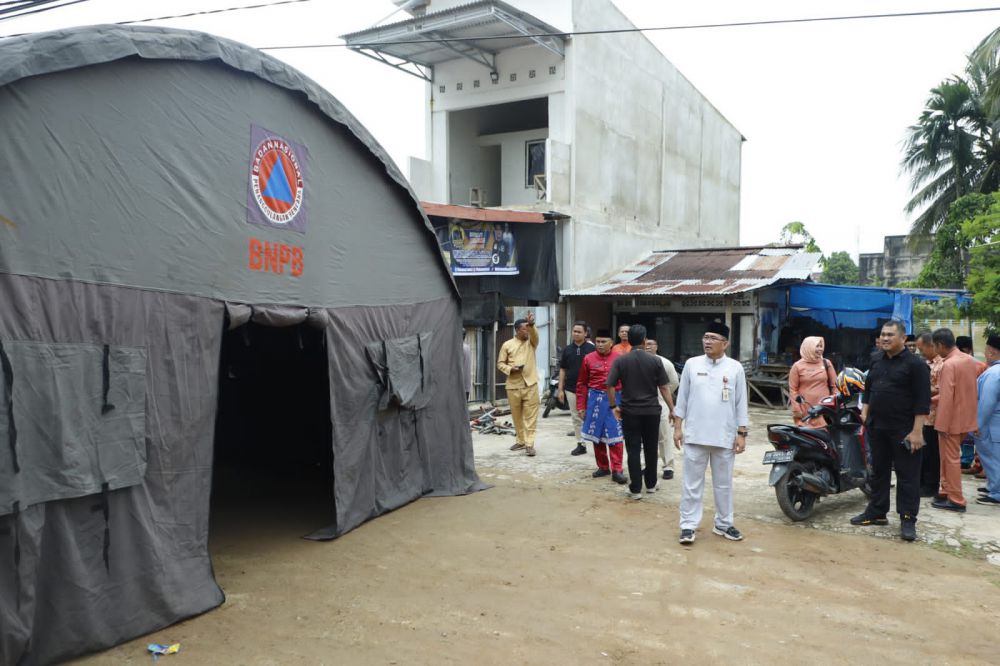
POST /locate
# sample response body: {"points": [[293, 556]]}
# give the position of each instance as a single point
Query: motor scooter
{"points": [[551, 397], [809, 463]]}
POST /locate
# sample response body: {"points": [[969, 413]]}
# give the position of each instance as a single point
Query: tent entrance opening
{"points": [[273, 464]]}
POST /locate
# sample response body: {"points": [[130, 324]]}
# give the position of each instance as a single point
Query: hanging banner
{"points": [[478, 248]]}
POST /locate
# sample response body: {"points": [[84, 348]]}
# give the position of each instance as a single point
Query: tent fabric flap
{"points": [[74, 421], [419, 442], [403, 369], [81, 573]]}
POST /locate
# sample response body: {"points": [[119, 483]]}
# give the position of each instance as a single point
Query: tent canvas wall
{"points": [[158, 186]]}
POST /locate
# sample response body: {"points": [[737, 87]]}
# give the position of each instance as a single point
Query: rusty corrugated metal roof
{"points": [[704, 272]]}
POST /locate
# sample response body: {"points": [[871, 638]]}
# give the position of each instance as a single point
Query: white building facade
{"points": [[600, 127]]}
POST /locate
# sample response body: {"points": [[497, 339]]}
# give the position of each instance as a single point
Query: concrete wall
{"points": [[512, 166], [898, 261], [636, 155], [654, 165]]}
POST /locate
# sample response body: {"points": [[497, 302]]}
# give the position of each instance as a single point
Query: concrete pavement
{"points": [[974, 534]]}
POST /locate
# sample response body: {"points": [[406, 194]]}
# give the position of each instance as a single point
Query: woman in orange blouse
{"points": [[812, 377]]}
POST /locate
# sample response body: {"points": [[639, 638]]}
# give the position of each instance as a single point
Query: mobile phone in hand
{"points": [[907, 445]]}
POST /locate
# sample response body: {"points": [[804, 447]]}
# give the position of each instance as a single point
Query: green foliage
{"points": [[839, 268], [795, 233], [954, 147], [942, 309], [946, 267], [981, 234]]}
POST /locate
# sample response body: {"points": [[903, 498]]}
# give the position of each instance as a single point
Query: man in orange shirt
{"points": [[956, 416], [623, 346]]}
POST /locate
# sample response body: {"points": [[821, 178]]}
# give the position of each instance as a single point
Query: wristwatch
{"points": [[742, 432]]}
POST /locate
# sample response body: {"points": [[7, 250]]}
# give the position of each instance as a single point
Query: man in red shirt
{"points": [[599, 423]]}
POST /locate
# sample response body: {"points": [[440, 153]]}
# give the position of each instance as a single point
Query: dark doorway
{"points": [[273, 464]]}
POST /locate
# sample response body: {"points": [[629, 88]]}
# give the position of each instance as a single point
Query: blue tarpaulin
{"points": [[859, 307]]}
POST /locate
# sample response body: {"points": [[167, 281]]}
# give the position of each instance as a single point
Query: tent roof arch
{"points": [[63, 52]]}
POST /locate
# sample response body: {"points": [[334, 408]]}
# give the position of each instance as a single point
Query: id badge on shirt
{"points": [[725, 389]]}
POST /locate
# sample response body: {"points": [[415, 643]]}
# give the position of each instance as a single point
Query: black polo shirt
{"points": [[897, 388], [640, 373], [570, 361]]}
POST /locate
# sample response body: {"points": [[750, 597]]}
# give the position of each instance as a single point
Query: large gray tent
{"points": [[162, 191]]}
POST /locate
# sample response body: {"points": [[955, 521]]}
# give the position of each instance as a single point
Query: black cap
{"points": [[994, 341], [963, 342], [911, 338], [603, 333], [718, 328]]}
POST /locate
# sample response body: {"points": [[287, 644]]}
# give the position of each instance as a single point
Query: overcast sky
{"points": [[824, 106]]}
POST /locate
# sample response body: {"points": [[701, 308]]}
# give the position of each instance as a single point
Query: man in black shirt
{"points": [[897, 397], [569, 371], [641, 375]]}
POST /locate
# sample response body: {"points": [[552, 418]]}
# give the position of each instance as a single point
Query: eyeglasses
{"points": [[712, 338]]}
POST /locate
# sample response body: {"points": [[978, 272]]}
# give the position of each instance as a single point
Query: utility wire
{"points": [[693, 26], [222, 10], [24, 8], [156, 18]]}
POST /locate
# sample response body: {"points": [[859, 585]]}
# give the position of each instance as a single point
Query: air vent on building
{"points": [[440, 89], [513, 77], [475, 83], [531, 73], [552, 69], [458, 86]]}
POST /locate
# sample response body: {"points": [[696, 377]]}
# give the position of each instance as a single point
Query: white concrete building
{"points": [[600, 127]]}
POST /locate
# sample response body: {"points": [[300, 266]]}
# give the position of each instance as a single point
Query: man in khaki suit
{"points": [[517, 361]]}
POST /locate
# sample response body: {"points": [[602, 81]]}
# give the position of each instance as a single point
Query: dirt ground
{"points": [[553, 567]]}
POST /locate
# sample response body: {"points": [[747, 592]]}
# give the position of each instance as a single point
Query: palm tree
{"points": [[954, 148], [939, 152]]}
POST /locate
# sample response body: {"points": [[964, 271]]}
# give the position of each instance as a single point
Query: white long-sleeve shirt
{"points": [[708, 419]]}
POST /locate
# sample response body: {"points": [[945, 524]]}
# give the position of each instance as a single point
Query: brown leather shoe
{"points": [[517, 446], [529, 451]]}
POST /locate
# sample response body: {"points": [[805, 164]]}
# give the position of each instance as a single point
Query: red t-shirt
{"points": [[594, 375]]}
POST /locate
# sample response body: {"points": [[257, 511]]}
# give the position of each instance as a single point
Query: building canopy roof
{"points": [[476, 31], [706, 272], [475, 214]]}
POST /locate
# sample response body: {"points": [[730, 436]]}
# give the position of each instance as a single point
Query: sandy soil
{"points": [[564, 570], [553, 567]]}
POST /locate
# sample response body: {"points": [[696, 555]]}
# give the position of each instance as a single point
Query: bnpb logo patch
{"points": [[277, 181]]}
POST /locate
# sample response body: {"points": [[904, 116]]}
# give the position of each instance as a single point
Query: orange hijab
{"points": [[809, 350]]}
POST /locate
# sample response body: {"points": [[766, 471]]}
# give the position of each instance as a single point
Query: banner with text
{"points": [[478, 248]]}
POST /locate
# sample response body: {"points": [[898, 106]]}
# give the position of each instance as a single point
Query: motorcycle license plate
{"points": [[774, 457]]}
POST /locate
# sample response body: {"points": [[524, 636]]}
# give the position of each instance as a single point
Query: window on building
{"points": [[534, 161]]}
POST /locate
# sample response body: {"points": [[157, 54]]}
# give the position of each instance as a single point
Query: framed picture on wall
{"points": [[534, 161]]}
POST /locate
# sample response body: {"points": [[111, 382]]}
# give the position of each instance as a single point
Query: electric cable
{"points": [[613, 31], [221, 10], [27, 7]]}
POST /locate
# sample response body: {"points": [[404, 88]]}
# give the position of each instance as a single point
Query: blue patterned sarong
{"points": [[599, 423]]}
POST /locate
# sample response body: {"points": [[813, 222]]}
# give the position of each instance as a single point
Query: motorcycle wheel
{"points": [[796, 503]]}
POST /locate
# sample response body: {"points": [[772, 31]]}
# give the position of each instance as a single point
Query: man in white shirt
{"points": [[711, 422], [666, 411]]}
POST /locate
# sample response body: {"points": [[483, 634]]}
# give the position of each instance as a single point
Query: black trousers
{"points": [[888, 452], [930, 466], [642, 434]]}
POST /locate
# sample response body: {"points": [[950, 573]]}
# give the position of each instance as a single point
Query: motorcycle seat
{"points": [[817, 432]]}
